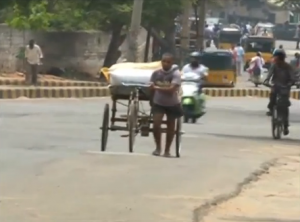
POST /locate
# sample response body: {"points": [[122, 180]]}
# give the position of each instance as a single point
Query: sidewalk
{"points": [[275, 197]]}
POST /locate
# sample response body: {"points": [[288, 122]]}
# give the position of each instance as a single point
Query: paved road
{"points": [[274, 197], [49, 174], [289, 45]]}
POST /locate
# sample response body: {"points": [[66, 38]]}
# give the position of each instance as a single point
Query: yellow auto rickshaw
{"points": [[260, 27], [222, 72], [263, 44], [228, 37]]}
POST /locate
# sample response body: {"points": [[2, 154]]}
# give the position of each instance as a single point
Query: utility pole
{"points": [[132, 36], [201, 23], [185, 26]]}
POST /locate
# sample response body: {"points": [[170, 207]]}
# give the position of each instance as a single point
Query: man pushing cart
{"points": [[159, 84], [165, 86]]}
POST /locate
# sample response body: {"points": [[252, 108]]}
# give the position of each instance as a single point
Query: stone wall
{"points": [[82, 51]]}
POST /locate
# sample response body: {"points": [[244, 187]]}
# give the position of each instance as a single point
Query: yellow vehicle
{"points": [[221, 68], [228, 37], [263, 44], [260, 27]]}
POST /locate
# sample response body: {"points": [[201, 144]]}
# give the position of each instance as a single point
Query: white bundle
{"points": [[127, 75], [130, 76]]}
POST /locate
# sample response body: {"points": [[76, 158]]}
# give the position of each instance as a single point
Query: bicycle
{"points": [[279, 114]]}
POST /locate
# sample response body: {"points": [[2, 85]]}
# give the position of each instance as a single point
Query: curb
{"points": [[262, 93], [81, 92], [52, 83], [34, 93]]}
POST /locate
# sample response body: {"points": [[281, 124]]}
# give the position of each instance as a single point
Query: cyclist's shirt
{"points": [[281, 74]]}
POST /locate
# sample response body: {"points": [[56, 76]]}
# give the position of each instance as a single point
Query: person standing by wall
{"points": [[297, 36], [33, 55], [239, 62]]}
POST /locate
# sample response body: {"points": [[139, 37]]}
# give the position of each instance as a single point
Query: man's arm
{"points": [[176, 82], [292, 75], [152, 80], [39, 50], [185, 69], [270, 73], [242, 51]]}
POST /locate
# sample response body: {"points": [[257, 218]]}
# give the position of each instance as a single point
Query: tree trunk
{"points": [[170, 39], [156, 36], [113, 52], [116, 41]]}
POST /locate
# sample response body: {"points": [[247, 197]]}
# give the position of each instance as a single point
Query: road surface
{"points": [[51, 170]]}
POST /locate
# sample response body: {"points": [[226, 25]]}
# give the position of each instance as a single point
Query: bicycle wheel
{"points": [[178, 136], [105, 128], [132, 125], [276, 124]]}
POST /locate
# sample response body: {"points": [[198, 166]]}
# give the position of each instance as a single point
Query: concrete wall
{"points": [[81, 51]]}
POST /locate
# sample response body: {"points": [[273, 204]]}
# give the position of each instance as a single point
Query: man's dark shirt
{"points": [[282, 74]]}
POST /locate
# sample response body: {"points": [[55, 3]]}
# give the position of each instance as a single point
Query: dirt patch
{"points": [[274, 197], [21, 76]]}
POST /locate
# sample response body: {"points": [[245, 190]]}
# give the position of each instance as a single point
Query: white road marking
{"points": [[117, 153], [190, 135]]}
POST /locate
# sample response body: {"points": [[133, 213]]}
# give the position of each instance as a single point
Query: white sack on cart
{"points": [[130, 76]]}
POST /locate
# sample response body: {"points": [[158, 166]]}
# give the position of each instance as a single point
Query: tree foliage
{"points": [[113, 16]]}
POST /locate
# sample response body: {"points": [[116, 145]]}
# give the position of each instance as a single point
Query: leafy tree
{"points": [[113, 16]]}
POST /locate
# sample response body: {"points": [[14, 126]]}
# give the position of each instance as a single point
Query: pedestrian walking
{"points": [[297, 36], [239, 62], [33, 55]]}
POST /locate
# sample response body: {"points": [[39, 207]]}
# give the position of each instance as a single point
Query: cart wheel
{"points": [[105, 128], [132, 124], [178, 137]]}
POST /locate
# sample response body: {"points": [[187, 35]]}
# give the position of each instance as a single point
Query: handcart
{"points": [[136, 120]]}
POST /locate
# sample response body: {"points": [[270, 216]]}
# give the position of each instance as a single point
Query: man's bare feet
{"points": [[167, 154], [156, 152]]}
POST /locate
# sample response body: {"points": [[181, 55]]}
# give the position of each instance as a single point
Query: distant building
{"points": [[269, 11]]}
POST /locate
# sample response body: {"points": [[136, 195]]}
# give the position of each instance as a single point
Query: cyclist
{"points": [[281, 73]]}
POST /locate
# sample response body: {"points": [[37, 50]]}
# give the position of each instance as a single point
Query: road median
{"points": [[52, 92], [51, 83], [244, 92], [97, 91]]}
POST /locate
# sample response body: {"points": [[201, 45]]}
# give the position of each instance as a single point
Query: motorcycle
{"points": [[193, 100], [257, 78]]}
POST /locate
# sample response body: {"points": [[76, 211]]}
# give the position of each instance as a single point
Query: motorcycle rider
{"points": [[195, 67], [256, 65], [281, 73]]}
